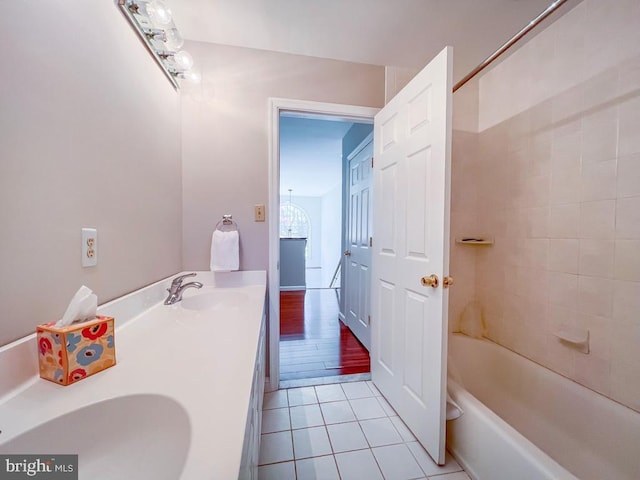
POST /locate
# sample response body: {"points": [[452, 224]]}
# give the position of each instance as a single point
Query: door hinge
{"points": [[371, 241], [371, 162], [368, 319]]}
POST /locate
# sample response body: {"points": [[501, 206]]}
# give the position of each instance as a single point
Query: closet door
{"points": [[358, 255]]}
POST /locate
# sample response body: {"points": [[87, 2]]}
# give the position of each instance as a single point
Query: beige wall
{"points": [[225, 128], [396, 78], [464, 193], [557, 182], [89, 137]]}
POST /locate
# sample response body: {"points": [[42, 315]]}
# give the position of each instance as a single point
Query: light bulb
{"points": [[174, 40], [191, 76], [159, 13], [183, 60]]}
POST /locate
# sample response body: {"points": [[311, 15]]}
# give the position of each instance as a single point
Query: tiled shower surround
{"points": [[552, 172]]}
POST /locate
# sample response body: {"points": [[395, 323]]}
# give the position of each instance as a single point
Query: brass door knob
{"points": [[430, 281], [447, 282], [347, 253]]}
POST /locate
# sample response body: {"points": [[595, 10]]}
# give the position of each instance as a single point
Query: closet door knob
{"points": [[347, 253], [447, 282]]}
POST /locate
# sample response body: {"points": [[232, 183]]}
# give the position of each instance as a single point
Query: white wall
{"points": [[331, 240], [587, 43], [396, 78], [313, 207], [89, 137], [225, 131]]}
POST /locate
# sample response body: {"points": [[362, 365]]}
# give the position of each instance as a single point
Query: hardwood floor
{"points": [[313, 341]]}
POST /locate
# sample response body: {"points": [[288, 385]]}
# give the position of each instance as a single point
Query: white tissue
{"points": [[82, 307]]}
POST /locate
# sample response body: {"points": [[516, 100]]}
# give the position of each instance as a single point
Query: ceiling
{"points": [[403, 33], [310, 155]]}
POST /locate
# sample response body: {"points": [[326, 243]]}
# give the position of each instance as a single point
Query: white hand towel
{"points": [[225, 251]]}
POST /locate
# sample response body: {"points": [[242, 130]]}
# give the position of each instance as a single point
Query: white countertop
{"points": [[204, 360]]}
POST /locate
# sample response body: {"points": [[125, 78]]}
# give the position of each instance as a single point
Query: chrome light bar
{"points": [[153, 22]]}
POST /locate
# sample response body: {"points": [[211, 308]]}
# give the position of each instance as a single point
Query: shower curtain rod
{"points": [[530, 26]]}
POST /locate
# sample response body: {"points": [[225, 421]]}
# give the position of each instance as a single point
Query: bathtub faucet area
{"points": [[177, 288]]}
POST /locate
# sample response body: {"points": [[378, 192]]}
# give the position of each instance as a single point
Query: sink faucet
{"points": [[177, 288]]}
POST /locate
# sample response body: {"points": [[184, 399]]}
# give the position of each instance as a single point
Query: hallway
{"points": [[313, 341]]}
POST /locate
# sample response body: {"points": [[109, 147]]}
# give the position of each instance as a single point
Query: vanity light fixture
{"points": [[153, 22]]}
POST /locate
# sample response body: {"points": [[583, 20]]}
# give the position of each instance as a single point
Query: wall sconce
{"points": [[153, 21]]}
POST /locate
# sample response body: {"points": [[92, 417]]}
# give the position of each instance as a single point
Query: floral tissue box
{"points": [[71, 353]]}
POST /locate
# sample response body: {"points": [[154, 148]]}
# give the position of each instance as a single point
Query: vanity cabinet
{"points": [[204, 425], [251, 447]]}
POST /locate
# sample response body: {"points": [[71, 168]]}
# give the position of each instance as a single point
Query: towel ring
{"points": [[227, 224]]}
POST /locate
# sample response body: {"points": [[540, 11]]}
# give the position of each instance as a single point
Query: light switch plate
{"points": [[259, 213], [89, 247]]}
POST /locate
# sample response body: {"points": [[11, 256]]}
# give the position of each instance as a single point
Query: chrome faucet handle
{"points": [[178, 280]]}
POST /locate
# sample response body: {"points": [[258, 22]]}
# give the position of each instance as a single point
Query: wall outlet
{"points": [[259, 213], [89, 247]]}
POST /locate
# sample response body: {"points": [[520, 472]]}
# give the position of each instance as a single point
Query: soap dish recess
{"points": [[474, 240], [576, 338]]}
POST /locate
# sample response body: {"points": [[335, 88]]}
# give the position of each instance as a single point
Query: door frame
{"points": [[276, 106]]}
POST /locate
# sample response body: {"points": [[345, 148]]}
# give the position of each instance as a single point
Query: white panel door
{"points": [[358, 255], [412, 145]]}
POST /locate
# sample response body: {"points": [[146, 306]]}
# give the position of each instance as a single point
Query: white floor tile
{"points": [[388, 409], [276, 447], [317, 468], [305, 416], [452, 476], [277, 399], [277, 471], [275, 420], [428, 465], [403, 430], [330, 393], [397, 463], [337, 412], [302, 367], [373, 388], [367, 408], [380, 431], [358, 465], [311, 442], [356, 390], [346, 436], [302, 396]]}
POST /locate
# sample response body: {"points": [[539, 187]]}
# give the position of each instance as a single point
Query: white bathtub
{"points": [[571, 432]]}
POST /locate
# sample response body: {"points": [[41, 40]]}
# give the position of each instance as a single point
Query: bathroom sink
{"points": [[136, 436], [215, 299]]}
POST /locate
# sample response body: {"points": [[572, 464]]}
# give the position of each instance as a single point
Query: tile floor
{"points": [[344, 431]]}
